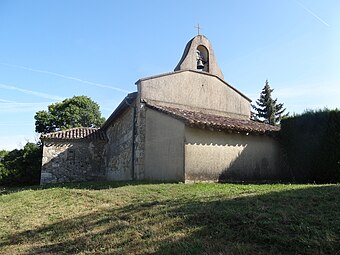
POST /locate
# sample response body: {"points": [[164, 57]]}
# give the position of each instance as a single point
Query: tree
{"points": [[21, 167], [3, 170], [78, 111], [267, 109]]}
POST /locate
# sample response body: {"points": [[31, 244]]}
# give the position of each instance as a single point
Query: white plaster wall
{"points": [[164, 147], [195, 91], [220, 156]]}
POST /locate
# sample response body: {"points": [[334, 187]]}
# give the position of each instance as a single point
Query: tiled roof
{"points": [[215, 122], [76, 134]]}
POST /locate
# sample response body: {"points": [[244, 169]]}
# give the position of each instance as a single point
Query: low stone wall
{"points": [[71, 161]]}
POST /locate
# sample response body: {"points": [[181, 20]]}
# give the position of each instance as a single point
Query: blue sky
{"points": [[54, 49]]}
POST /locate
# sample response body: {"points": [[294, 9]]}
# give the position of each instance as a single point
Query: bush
{"points": [[21, 167], [312, 143], [3, 170]]}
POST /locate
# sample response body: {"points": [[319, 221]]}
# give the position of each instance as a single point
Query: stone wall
{"points": [[71, 161], [139, 143], [119, 149]]}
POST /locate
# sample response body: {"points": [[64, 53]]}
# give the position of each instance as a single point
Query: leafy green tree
{"points": [[267, 109], [78, 111], [3, 170], [21, 167]]}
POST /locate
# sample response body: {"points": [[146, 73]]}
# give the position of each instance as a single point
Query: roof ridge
{"points": [[76, 133]]}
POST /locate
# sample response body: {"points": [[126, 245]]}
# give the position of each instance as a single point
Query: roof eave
{"points": [[127, 101], [216, 127]]}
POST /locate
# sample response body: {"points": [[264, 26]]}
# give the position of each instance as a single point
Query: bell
{"points": [[200, 64]]}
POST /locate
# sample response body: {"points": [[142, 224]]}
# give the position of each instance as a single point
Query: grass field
{"points": [[137, 218]]}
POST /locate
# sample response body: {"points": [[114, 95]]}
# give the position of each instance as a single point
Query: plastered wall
{"points": [[220, 156], [164, 147], [195, 91]]}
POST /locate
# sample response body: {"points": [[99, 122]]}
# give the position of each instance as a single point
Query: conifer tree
{"points": [[267, 109]]}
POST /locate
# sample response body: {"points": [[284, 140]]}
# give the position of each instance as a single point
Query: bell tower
{"points": [[198, 55]]}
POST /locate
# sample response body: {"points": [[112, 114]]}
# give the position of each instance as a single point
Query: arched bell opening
{"points": [[202, 58]]}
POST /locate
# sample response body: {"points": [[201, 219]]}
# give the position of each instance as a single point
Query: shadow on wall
{"points": [[300, 221], [233, 157], [72, 162], [255, 163]]}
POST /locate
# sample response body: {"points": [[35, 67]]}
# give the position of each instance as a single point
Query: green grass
{"points": [[140, 218]]}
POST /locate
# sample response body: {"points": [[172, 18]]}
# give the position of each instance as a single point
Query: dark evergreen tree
{"points": [[267, 109]]}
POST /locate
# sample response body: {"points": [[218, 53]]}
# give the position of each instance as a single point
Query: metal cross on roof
{"points": [[198, 29]]}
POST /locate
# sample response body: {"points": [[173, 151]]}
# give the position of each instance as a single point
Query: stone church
{"points": [[188, 125]]}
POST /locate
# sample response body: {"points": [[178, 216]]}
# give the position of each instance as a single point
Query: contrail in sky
{"points": [[30, 92], [67, 77], [15, 107], [313, 14], [6, 101]]}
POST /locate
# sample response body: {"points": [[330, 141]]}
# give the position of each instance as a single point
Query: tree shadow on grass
{"points": [[95, 185], [300, 221]]}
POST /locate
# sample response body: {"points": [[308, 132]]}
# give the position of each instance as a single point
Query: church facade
{"points": [[188, 125]]}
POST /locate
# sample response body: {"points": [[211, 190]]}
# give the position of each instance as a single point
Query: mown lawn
{"points": [[137, 218]]}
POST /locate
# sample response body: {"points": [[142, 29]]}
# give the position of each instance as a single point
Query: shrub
{"points": [[21, 167], [3, 170], [312, 143]]}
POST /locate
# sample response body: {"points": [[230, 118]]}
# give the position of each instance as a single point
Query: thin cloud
{"points": [[67, 77], [313, 14], [30, 92], [22, 107], [6, 101]]}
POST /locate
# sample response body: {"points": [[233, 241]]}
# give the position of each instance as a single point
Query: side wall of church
{"points": [[119, 150], [72, 161], [220, 156], [164, 147], [139, 146], [195, 91]]}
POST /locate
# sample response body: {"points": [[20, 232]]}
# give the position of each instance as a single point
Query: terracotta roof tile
{"points": [[76, 134], [215, 122]]}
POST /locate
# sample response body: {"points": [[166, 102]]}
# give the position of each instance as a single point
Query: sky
{"points": [[51, 50]]}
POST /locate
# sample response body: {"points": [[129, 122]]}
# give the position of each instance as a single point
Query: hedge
{"points": [[312, 144]]}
